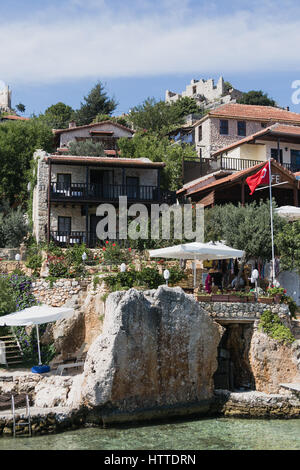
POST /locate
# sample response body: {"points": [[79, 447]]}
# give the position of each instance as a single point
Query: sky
{"points": [[56, 50]]}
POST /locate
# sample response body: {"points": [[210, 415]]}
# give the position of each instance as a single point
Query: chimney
{"points": [[72, 124]]}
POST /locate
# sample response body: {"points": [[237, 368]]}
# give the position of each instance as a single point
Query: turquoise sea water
{"points": [[200, 434]]}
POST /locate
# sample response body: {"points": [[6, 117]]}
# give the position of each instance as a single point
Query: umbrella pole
{"points": [[38, 343], [195, 273]]}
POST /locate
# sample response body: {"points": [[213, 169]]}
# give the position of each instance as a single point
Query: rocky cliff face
{"points": [[157, 349], [273, 363]]}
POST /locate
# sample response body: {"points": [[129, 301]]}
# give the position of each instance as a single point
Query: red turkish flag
{"points": [[262, 176]]}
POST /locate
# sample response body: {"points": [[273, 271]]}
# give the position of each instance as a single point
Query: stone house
{"points": [[70, 188], [220, 131], [233, 122], [106, 132]]}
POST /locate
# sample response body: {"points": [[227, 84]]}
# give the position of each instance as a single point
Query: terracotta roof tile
{"points": [[13, 117], [245, 111]]}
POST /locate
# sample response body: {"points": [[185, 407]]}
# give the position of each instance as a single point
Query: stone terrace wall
{"points": [[57, 294], [241, 312]]}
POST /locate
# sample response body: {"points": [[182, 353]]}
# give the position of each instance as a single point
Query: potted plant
{"points": [[203, 297], [235, 296], [265, 300], [276, 293], [219, 296]]}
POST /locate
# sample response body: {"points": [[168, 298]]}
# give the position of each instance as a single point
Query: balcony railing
{"points": [[109, 192], [195, 168], [91, 240]]}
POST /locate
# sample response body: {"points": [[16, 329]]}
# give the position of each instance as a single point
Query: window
{"points": [[64, 225], [223, 127], [64, 179], [63, 183], [295, 160], [241, 127], [274, 154], [200, 133]]}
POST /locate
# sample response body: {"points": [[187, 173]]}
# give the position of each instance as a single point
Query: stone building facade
{"points": [[233, 122], [69, 190]]}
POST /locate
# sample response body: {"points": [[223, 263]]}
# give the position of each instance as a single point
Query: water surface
{"points": [[199, 434]]}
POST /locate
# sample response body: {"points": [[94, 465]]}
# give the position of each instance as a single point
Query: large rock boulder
{"points": [[157, 349], [273, 362]]}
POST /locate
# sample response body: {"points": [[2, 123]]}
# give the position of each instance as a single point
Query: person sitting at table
{"points": [[234, 282]]}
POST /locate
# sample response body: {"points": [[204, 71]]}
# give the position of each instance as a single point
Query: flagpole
{"points": [[271, 217]]}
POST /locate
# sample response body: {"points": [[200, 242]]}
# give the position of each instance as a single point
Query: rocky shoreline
{"points": [[224, 403], [157, 356]]}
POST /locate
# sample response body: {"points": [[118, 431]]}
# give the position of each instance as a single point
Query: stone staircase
{"points": [[14, 355]]}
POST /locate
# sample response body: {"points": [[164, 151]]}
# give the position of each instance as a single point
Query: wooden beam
{"points": [[296, 202], [243, 192]]}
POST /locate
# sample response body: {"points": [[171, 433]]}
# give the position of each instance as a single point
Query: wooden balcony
{"points": [[81, 192], [90, 239]]}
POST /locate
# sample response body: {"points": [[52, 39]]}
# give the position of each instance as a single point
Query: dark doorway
{"points": [[132, 184], [101, 183], [234, 369], [93, 239]]}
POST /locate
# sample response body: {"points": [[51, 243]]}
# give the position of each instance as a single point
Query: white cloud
{"points": [[106, 43]]}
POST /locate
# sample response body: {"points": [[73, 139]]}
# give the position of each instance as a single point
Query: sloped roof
{"points": [[134, 162], [275, 129], [252, 112], [238, 175], [13, 117], [87, 126]]}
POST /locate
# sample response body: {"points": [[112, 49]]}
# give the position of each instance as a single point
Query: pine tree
{"points": [[97, 102]]}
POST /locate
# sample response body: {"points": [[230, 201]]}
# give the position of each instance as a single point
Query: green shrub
{"points": [[176, 275], [113, 254], [7, 297], [271, 324], [35, 262], [149, 278], [13, 228]]}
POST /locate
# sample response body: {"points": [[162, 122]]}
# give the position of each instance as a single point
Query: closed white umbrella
{"points": [[37, 315], [288, 212], [198, 251]]}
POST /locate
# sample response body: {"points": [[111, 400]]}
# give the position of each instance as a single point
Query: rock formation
{"points": [[273, 362], [157, 349]]}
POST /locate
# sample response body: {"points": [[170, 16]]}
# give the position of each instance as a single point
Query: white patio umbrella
{"points": [[198, 251], [37, 315], [288, 212]]}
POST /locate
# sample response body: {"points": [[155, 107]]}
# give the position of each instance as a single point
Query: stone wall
{"points": [[244, 312], [40, 197], [56, 294]]}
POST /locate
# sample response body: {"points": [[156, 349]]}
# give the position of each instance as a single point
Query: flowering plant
{"points": [[272, 290]]}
